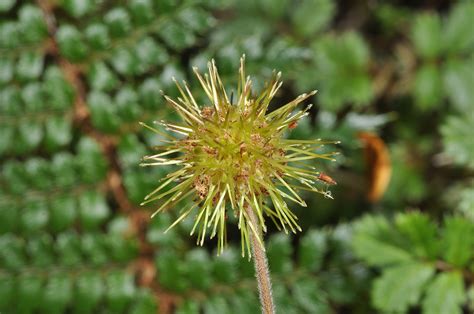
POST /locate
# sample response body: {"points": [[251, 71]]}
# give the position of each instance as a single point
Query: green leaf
{"points": [[29, 66], [118, 22], [97, 36], [78, 8], [245, 301], [420, 233], [6, 5], [125, 62], [120, 290], [216, 305], [428, 87], [9, 218], [34, 217], [103, 112], [466, 202], [93, 210], [93, 248], [172, 272], [59, 92], [310, 17], [120, 248], [309, 296], [12, 255], [458, 241], [457, 140], [6, 70], [149, 92], [7, 288], [57, 293], [400, 287], [91, 165], [29, 293], [6, 139], [199, 20], [188, 307], [90, 289], [32, 23], [312, 249], [458, 79], [374, 234], [224, 266], [39, 250], [144, 303], [347, 58], [58, 132], [101, 77], [176, 36], [68, 249], [127, 104], [445, 294], [9, 35], [426, 35], [142, 11], [150, 54], [457, 32], [62, 167], [198, 268], [279, 252], [71, 44], [62, 213]]}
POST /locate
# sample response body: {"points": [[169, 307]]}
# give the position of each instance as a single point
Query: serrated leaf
{"points": [[457, 140], [144, 303], [118, 22], [313, 247], [101, 77], [78, 8], [142, 11], [29, 66], [120, 290], [426, 35], [310, 17], [374, 234], [216, 305], [309, 296], [458, 241], [58, 132], [428, 87], [6, 5], [400, 287], [458, 79], [445, 294], [68, 249], [29, 290], [7, 287], [279, 252], [71, 43], [466, 202], [97, 36], [90, 289], [32, 23], [224, 268], [39, 250], [457, 32], [420, 232], [57, 293]]}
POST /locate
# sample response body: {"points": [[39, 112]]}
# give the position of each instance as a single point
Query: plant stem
{"points": [[262, 271]]}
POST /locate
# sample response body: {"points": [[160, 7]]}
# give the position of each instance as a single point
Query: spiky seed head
{"points": [[233, 157]]}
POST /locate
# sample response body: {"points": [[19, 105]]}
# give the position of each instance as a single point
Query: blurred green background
{"points": [[396, 87]]}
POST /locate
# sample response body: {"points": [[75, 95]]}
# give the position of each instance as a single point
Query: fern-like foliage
{"points": [[421, 263]]}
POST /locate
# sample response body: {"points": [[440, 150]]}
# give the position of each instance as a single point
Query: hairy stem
{"points": [[262, 271]]}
